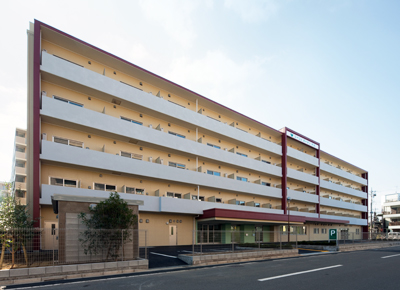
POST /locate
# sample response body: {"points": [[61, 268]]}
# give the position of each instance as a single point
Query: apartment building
{"points": [[391, 211], [98, 123], [19, 167]]}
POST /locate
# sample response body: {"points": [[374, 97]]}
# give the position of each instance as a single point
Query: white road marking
{"points": [[163, 255], [298, 273], [390, 256]]}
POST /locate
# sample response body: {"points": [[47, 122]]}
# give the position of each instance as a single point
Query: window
{"points": [[241, 178], [301, 230], [316, 230], [19, 163], [257, 204], [177, 165], [131, 155], [104, 187], [265, 183], [201, 198], [215, 146], [20, 178], [130, 190], [323, 231], [139, 191], [218, 200], [357, 231], [176, 134], [68, 142], [241, 154], [240, 202], [20, 134], [67, 101], [174, 195], [63, 182], [265, 161], [132, 121], [20, 149], [213, 173]]}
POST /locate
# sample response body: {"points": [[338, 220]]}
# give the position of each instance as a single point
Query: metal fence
{"points": [[39, 247]]}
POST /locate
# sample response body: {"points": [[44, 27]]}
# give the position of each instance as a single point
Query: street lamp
{"points": [[288, 218]]}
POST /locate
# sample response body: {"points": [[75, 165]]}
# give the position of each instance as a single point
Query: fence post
{"points": [[145, 244], [232, 241], [201, 242], [296, 237], [193, 242], [280, 239], [53, 245], [122, 241]]}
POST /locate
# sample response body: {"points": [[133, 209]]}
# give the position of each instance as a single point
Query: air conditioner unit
{"points": [[44, 136], [150, 126], [150, 159]]}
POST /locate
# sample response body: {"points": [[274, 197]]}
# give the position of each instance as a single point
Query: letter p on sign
{"points": [[332, 234]]}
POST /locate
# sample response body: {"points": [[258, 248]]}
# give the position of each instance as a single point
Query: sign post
{"points": [[333, 236]]}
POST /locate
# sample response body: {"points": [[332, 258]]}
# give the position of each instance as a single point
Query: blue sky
{"points": [[327, 69]]}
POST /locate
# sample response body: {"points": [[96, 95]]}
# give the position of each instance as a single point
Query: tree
{"points": [[15, 228], [107, 227]]}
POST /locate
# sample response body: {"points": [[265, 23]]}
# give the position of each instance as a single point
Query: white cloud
{"points": [[175, 17], [253, 11]]}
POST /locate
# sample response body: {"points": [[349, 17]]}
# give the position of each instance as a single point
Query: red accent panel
{"points": [[36, 122], [317, 190], [364, 215], [284, 171]]}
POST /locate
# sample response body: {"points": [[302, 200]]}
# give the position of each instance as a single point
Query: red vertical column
{"points": [[284, 171], [364, 215], [317, 190], [36, 123]]}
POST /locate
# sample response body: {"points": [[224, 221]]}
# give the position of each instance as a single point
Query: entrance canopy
{"points": [[218, 214]]}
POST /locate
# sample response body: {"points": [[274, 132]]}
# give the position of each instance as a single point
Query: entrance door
{"points": [[50, 236], [172, 235]]}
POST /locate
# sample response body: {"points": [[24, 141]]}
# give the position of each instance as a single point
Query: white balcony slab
{"points": [[301, 176], [111, 125], [296, 154], [394, 227], [352, 221], [392, 203], [390, 216], [151, 203], [98, 82], [341, 173], [339, 188], [302, 196], [342, 204], [103, 161], [306, 214]]}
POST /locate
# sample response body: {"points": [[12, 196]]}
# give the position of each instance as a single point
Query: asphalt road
{"points": [[371, 269]]}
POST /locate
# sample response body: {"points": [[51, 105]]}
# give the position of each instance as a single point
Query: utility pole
{"points": [[373, 194]]}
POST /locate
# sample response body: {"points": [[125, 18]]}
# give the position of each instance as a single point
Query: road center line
{"points": [[164, 255], [298, 273], [390, 256]]}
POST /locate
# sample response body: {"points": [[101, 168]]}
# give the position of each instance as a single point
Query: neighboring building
{"points": [[19, 166], [391, 212], [97, 123], [4, 190]]}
